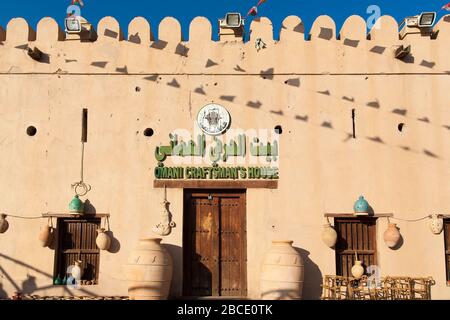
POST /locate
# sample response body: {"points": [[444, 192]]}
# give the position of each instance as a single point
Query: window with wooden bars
{"points": [[447, 247], [76, 242], [355, 235]]}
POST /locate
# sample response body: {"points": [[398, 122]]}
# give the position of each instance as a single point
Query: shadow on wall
{"points": [[29, 286], [3, 293], [176, 288], [312, 289]]}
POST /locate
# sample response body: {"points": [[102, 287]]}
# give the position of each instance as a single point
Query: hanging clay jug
{"points": [[149, 271], [391, 235], [76, 206], [103, 241], [436, 224], [357, 270], [329, 235], [361, 207], [4, 225], [282, 273], [45, 236]]}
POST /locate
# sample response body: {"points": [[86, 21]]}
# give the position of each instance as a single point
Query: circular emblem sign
{"points": [[213, 119]]}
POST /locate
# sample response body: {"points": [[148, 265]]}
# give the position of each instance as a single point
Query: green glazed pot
{"points": [[361, 205], [76, 205]]}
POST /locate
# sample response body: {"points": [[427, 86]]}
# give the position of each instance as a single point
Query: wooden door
{"points": [[215, 260]]}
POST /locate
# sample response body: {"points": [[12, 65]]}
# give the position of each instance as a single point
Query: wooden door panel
{"points": [[214, 244], [232, 257], [202, 231]]}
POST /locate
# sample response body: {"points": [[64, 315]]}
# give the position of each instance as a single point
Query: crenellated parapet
{"points": [[322, 49]]}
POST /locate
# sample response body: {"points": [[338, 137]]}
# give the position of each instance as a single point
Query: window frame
{"points": [[447, 249], [368, 255], [59, 252]]}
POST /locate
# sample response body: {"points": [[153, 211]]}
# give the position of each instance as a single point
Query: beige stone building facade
{"points": [[353, 120]]}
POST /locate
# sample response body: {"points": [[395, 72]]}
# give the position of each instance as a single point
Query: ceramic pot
{"points": [[357, 270], [436, 224], [45, 236], [391, 235], [4, 225], [329, 235], [76, 206], [149, 271], [361, 207], [103, 241], [282, 273], [77, 270]]}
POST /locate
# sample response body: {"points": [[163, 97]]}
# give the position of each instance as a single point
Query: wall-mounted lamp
{"points": [[423, 23], [232, 26], [77, 27]]}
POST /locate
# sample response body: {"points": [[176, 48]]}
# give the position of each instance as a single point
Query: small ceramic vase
{"points": [[361, 207], [357, 270], [4, 225], [436, 224], [103, 241]]}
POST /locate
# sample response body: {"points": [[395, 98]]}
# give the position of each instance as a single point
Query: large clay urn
{"points": [[391, 235], [149, 271], [282, 273]]}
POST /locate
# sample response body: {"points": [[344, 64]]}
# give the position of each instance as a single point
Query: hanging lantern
{"points": [[4, 225], [361, 207], [46, 234], [103, 241], [329, 235], [76, 206], [392, 235], [436, 224]]}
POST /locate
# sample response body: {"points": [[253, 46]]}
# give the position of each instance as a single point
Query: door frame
{"points": [[215, 192]]}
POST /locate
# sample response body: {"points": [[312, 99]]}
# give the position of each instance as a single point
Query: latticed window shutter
{"points": [[355, 235], [76, 241], [447, 247]]}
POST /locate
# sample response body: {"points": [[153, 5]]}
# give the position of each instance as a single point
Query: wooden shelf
{"points": [[352, 215], [68, 215]]}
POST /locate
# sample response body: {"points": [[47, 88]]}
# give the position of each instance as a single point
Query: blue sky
{"points": [[185, 11]]}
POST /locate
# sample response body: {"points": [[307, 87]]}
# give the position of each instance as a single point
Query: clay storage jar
{"points": [[149, 271], [45, 236], [282, 273]]}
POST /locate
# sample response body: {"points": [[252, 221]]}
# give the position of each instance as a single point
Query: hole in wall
{"points": [[137, 89], [401, 127], [148, 132], [278, 129], [31, 131]]}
